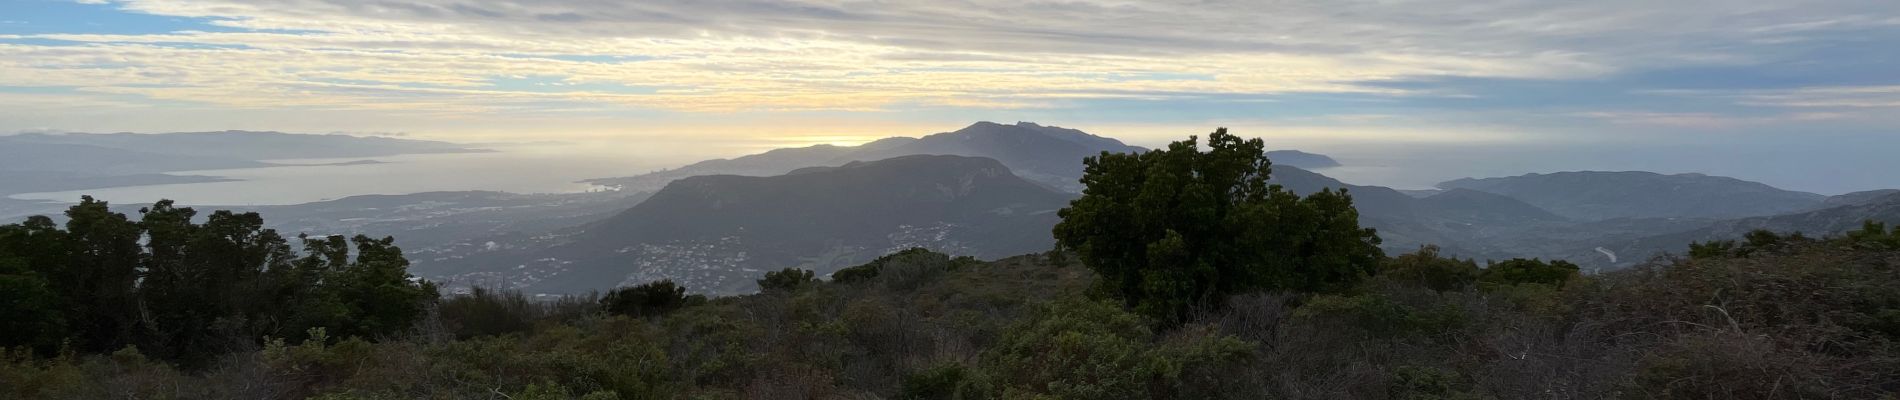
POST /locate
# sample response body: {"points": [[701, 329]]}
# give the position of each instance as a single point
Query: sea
{"points": [[517, 168]]}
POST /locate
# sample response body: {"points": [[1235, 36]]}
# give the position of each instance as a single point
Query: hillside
{"points": [[1592, 195], [1857, 198], [1830, 221], [1482, 207], [715, 231]]}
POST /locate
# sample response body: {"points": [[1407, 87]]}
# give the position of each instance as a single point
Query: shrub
{"points": [[1874, 235], [648, 299], [904, 268], [1520, 271], [786, 280], [1077, 349], [1425, 268], [485, 312], [948, 381]]}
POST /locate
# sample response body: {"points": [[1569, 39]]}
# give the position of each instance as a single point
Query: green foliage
{"points": [[786, 280], [1425, 268], [648, 299], [486, 312], [1760, 241], [1874, 235], [1089, 350], [30, 307], [1711, 249], [948, 381], [905, 267], [1794, 318], [190, 292], [1519, 271], [1809, 320], [1176, 229]]}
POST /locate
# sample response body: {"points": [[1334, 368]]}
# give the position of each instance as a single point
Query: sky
{"points": [[1796, 93]]}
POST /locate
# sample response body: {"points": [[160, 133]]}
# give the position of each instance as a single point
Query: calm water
{"points": [[513, 168]]}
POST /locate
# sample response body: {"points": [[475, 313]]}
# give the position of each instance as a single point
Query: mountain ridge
{"points": [[1601, 195], [1036, 152]]}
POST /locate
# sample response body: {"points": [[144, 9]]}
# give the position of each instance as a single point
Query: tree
{"points": [[202, 290], [1177, 228], [190, 292], [370, 296], [648, 299], [786, 280], [96, 268], [28, 305]]}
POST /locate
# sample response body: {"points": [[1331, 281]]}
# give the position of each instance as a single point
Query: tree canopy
{"points": [[1177, 228], [190, 291], [786, 280]]}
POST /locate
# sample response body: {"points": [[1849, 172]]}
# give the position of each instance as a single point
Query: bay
{"points": [[537, 168]]}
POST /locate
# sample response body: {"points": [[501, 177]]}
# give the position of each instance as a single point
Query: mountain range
{"points": [[717, 224], [717, 233], [1048, 155], [1594, 195], [987, 190]]}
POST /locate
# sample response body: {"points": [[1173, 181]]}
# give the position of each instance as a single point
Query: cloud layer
{"points": [[463, 56], [1384, 70]]}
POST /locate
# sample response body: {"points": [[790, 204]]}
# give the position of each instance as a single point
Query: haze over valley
{"points": [[578, 221]]}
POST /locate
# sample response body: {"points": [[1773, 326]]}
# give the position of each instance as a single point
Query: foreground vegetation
{"points": [[1156, 301], [1803, 319]]}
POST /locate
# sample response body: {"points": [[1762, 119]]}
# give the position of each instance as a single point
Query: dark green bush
{"points": [[485, 312], [786, 280], [1521, 271], [1077, 349], [1425, 268], [648, 299], [947, 381], [906, 267]]}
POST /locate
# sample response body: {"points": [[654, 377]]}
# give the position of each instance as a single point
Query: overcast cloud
{"points": [[1526, 74]]}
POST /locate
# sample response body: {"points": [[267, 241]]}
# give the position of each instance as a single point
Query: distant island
{"points": [[1301, 159]]}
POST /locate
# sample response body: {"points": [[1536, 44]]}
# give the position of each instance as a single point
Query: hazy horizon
{"points": [[1400, 165]]}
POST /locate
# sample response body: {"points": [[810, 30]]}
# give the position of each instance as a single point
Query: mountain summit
{"points": [[1048, 155]]}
